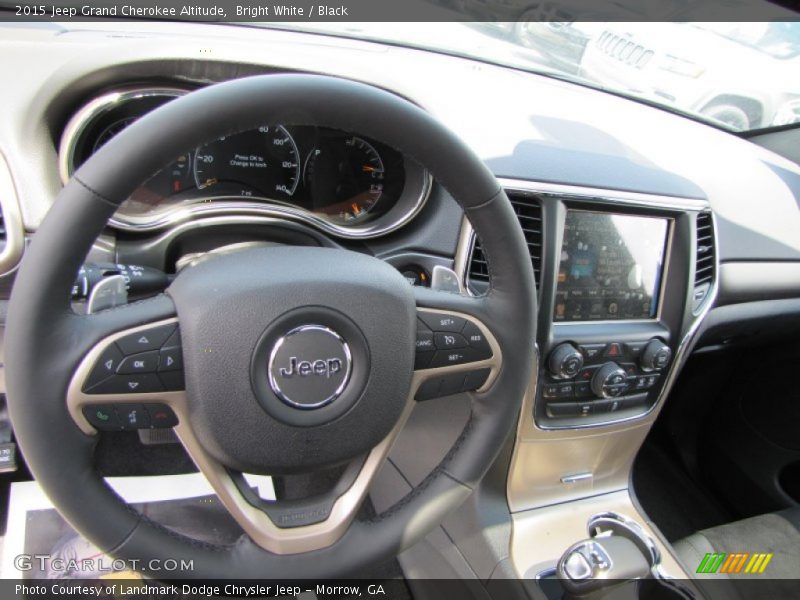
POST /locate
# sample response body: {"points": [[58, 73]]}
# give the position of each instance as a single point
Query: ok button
{"points": [[144, 362], [446, 341]]}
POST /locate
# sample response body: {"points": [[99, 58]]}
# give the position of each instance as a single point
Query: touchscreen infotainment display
{"points": [[610, 267]]}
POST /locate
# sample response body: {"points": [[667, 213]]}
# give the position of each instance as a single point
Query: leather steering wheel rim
{"points": [[46, 340]]}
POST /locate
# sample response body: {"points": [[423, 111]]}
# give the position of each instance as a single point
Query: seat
{"points": [[773, 533]]}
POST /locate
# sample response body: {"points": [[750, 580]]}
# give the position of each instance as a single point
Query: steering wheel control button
{"points": [[442, 321], [309, 367], [445, 341], [172, 380], [170, 359], [149, 339], [455, 339], [102, 418], [144, 362], [424, 340], [475, 379], [105, 366], [446, 358], [132, 416], [476, 339], [128, 384], [453, 383], [161, 416]]}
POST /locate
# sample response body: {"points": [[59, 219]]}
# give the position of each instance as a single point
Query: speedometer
{"points": [[262, 163]]}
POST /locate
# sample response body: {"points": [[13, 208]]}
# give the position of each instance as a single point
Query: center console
{"points": [[608, 345]]}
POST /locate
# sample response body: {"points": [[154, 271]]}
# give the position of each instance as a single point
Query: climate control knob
{"points": [[565, 361], [609, 381], [655, 356]]}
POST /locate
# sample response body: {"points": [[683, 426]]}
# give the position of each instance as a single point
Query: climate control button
{"points": [[609, 381], [565, 362], [655, 356]]}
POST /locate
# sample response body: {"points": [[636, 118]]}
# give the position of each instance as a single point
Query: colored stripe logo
{"points": [[731, 563]]}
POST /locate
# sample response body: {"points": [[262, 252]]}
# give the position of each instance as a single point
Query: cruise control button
{"points": [[149, 339], [144, 362], [172, 380], [476, 339], [128, 384], [424, 340], [445, 341], [102, 418], [442, 321], [132, 416], [105, 366], [443, 358], [170, 359], [161, 416]]}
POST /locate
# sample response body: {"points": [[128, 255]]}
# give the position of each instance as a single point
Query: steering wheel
{"points": [[293, 359]]}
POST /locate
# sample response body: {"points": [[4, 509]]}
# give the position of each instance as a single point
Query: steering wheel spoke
{"points": [[292, 526], [455, 350]]}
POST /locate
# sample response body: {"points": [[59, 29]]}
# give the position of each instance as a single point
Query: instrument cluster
{"points": [[341, 182]]}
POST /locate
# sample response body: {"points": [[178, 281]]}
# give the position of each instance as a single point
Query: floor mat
{"points": [[671, 498]]}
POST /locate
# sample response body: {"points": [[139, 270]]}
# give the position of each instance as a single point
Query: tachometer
{"points": [[263, 162], [345, 177]]}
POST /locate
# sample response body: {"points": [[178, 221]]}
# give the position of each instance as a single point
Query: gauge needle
{"points": [[207, 183], [368, 169], [356, 209]]}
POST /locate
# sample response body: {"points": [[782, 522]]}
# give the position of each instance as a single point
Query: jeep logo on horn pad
{"points": [[309, 367]]}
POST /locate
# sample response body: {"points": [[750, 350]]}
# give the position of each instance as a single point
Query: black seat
{"points": [[777, 534]]}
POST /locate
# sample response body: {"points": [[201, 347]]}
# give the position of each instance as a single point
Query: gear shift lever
{"points": [[592, 566]]}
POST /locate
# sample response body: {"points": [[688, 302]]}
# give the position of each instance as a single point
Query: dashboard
{"points": [[650, 235]]}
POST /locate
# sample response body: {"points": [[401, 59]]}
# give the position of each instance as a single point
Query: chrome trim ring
{"points": [[80, 121]]}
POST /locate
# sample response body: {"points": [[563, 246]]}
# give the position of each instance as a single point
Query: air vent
{"points": [[704, 261], [529, 213]]}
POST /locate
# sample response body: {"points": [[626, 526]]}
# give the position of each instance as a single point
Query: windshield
{"points": [[739, 76]]}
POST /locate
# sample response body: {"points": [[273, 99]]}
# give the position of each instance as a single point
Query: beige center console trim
{"points": [[539, 537]]}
